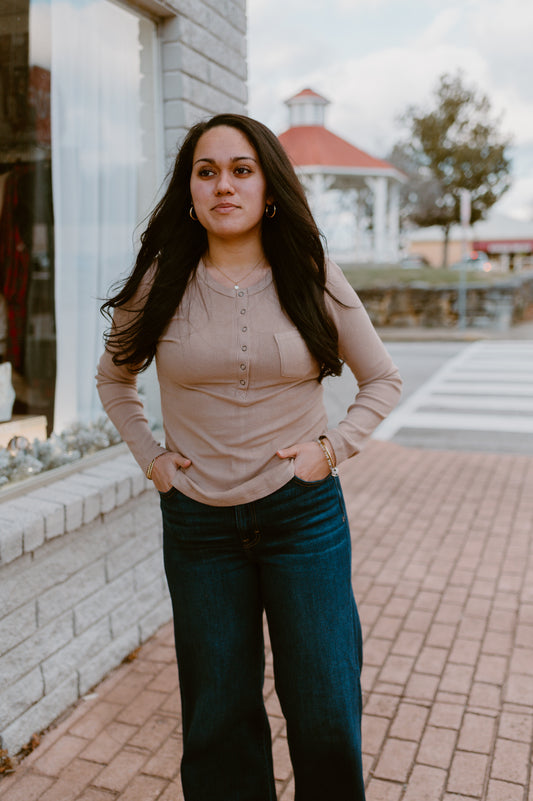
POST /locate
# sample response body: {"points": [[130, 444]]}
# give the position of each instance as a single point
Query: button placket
{"points": [[243, 371]]}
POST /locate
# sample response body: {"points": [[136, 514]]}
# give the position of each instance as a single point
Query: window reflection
{"points": [[77, 121], [27, 329]]}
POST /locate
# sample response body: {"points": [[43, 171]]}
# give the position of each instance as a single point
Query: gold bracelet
{"points": [[151, 467], [332, 467], [323, 440]]}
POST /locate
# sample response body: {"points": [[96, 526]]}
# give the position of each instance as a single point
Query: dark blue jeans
{"points": [[289, 554]]}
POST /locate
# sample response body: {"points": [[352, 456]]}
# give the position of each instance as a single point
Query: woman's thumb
{"points": [[287, 453], [181, 461]]}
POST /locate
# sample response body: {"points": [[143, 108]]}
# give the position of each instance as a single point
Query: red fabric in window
{"points": [[14, 265]]}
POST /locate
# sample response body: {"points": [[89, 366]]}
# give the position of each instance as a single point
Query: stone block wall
{"points": [[204, 64], [81, 572], [81, 586], [497, 306]]}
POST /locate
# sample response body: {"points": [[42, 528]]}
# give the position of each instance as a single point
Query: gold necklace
{"points": [[242, 278]]}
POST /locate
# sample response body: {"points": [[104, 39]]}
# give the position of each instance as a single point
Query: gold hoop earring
{"points": [[270, 210], [192, 214]]}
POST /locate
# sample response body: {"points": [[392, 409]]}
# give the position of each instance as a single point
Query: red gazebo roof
{"points": [[314, 145], [307, 93]]}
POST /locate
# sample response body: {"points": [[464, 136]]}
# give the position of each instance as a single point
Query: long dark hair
{"points": [[174, 244]]}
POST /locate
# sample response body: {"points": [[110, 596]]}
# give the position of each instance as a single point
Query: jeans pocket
{"points": [[319, 483], [168, 494]]}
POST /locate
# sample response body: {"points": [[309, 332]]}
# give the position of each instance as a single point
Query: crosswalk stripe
{"points": [[526, 376], [488, 386], [469, 422], [474, 388], [483, 403]]}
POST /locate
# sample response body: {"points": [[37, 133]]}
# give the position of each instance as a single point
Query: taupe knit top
{"points": [[238, 383]]}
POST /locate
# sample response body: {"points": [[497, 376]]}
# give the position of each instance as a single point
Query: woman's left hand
{"points": [[310, 464]]}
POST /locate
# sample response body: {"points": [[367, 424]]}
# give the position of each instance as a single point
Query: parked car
{"points": [[476, 260], [413, 261]]}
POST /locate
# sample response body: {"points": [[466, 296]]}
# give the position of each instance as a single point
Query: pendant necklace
{"points": [[242, 278]]}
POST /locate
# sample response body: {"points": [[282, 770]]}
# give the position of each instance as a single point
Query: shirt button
{"points": [[244, 347], [244, 328], [242, 382], [243, 367], [241, 293], [243, 311]]}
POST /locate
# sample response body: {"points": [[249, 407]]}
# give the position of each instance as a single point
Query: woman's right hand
{"points": [[165, 467]]}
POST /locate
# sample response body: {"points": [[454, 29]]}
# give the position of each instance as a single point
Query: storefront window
{"points": [[27, 332], [79, 162]]}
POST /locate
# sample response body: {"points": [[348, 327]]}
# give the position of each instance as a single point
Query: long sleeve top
{"points": [[238, 383]]}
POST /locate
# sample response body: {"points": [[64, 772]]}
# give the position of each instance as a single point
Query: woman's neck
{"points": [[235, 256]]}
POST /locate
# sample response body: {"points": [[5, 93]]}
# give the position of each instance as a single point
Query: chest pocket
{"points": [[295, 358]]}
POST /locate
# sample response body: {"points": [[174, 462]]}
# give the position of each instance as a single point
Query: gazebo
{"points": [[354, 196]]}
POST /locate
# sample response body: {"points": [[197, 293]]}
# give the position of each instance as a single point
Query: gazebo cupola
{"points": [[354, 196], [307, 108]]}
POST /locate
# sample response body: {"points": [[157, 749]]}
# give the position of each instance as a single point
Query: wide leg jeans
{"points": [[288, 554]]}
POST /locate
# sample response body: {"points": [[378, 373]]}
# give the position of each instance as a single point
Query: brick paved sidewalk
{"points": [[443, 572]]}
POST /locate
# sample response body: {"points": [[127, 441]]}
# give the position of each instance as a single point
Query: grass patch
{"points": [[369, 277]]}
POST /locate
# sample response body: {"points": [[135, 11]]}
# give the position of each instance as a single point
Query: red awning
{"points": [[504, 246]]}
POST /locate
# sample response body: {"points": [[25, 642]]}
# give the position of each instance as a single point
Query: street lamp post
{"points": [[466, 214]]}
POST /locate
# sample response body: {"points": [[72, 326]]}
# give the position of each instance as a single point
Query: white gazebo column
{"points": [[394, 221], [349, 204], [363, 248], [379, 213], [316, 186]]}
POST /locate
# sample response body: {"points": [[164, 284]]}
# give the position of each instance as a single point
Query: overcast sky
{"points": [[373, 58]]}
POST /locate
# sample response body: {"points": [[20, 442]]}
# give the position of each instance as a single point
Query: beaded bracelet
{"points": [[332, 467]]}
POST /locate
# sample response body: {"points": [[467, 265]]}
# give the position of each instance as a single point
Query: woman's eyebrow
{"points": [[233, 159]]}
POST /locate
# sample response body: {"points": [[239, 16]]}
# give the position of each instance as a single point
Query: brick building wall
{"points": [[81, 571], [204, 63]]}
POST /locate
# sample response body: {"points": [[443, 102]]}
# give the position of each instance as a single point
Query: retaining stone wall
{"points": [[498, 306], [81, 586]]}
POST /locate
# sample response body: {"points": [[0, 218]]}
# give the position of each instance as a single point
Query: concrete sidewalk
{"points": [[443, 574]]}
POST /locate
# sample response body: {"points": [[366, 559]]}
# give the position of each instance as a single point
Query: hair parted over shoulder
{"points": [[173, 243]]}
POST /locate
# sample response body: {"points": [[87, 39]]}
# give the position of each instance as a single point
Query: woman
{"points": [[233, 297]]}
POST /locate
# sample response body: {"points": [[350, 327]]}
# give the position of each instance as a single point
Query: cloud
{"points": [[369, 93], [497, 27], [274, 10], [374, 58], [518, 201], [440, 28]]}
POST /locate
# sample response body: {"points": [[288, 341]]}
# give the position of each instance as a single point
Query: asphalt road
{"points": [[416, 361], [457, 396]]}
